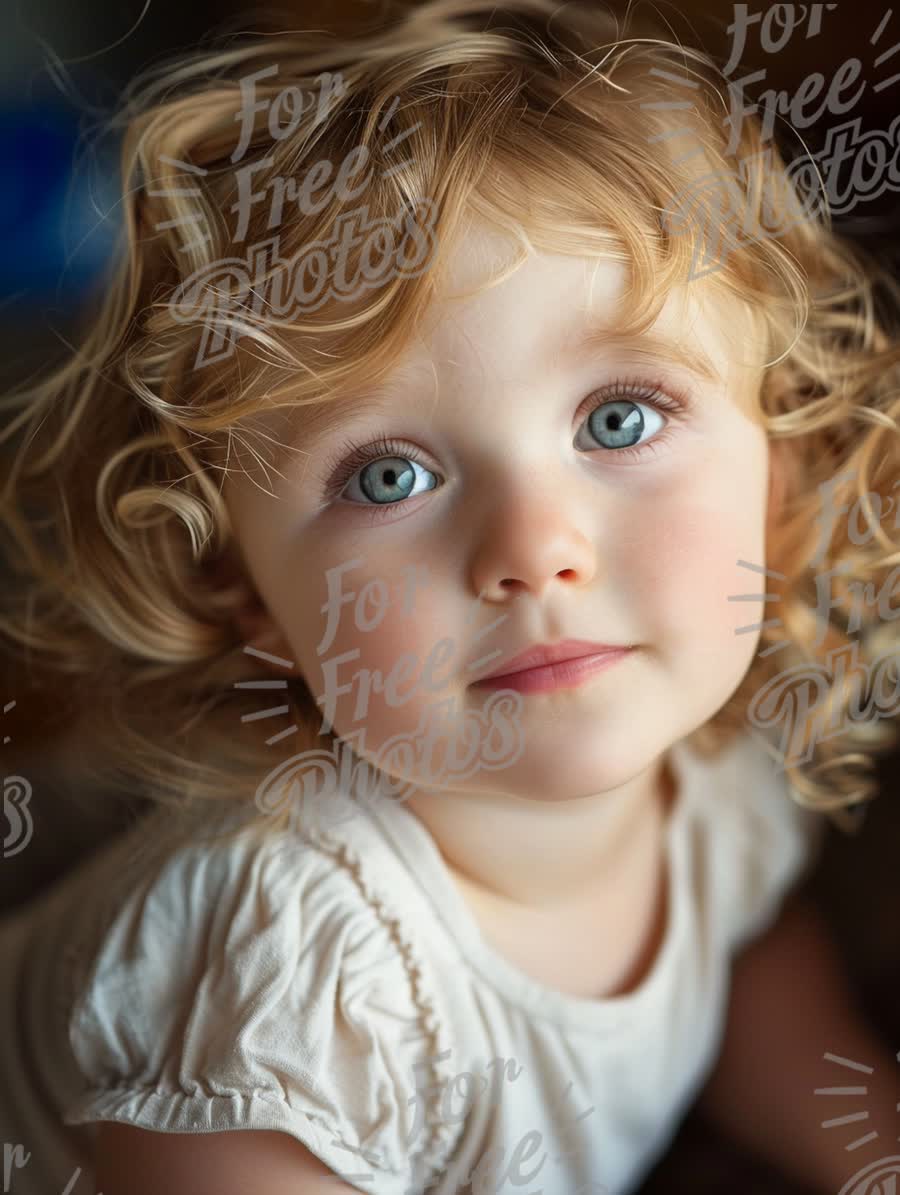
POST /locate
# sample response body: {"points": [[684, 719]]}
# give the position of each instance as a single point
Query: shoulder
{"points": [[250, 981], [754, 840]]}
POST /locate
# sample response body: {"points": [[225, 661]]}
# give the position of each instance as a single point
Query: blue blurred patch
{"points": [[54, 237]]}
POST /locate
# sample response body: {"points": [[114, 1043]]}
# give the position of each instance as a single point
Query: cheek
{"points": [[389, 640], [687, 567]]}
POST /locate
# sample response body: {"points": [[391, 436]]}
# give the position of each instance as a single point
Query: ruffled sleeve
{"points": [[257, 986]]}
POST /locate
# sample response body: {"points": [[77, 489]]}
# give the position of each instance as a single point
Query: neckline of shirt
{"points": [[414, 844]]}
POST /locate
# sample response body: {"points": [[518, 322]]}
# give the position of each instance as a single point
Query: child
{"points": [[411, 445]]}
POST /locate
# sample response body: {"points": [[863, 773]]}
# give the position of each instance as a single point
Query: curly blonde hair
{"points": [[547, 121]]}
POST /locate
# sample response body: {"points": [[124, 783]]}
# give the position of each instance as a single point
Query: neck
{"points": [[542, 856]]}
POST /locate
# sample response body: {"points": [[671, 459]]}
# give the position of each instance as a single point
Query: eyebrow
{"points": [[693, 359], [323, 417]]}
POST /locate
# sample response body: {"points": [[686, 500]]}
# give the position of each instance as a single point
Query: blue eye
{"points": [[619, 424], [388, 479], [386, 472]]}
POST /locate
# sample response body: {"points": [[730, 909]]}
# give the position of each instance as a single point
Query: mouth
{"points": [[553, 666]]}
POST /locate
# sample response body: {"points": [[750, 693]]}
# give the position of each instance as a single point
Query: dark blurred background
{"points": [[62, 66]]}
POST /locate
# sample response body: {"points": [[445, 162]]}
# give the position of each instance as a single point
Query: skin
{"points": [[534, 518]]}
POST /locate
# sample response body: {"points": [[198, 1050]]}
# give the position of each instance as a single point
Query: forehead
{"points": [[553, 313], [555, 307]]}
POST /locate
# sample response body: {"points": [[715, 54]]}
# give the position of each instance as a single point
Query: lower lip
{"points": [[566, 674]]}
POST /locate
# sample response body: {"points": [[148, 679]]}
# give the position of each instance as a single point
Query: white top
{"points": [[313, 981]]}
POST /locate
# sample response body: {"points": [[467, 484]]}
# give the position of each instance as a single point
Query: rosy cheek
{"points": [[686, 568], [397, 646], [409, 640]]}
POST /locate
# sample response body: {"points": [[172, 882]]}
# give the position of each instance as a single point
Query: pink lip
{"points": [[559, 665]]}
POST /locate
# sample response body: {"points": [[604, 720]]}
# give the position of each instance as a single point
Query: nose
{"points": [[526, 545]]}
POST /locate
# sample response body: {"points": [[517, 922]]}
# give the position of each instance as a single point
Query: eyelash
{"points": [[344, 464]]}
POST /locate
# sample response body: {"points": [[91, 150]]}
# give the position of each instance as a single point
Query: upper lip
{"points": [[551, 653]]}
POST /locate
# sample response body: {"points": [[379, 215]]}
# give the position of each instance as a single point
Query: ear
{"points": [[236, 593]]}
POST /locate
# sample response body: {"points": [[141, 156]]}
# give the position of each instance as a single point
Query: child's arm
{"points": [[132, 1161], [789, 1006]]}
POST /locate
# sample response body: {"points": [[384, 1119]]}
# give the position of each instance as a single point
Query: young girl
{"points": [[431, 540]]}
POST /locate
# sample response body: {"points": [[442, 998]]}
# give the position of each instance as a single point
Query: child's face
{"points": [[520, 498]]}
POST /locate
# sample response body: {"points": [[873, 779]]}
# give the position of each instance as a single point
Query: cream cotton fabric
{"points": [[314, 981]]}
